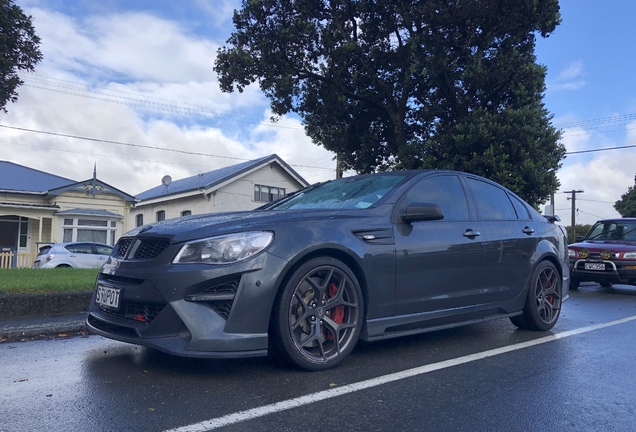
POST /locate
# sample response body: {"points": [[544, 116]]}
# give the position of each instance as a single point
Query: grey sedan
{"points": [[367, 257]]}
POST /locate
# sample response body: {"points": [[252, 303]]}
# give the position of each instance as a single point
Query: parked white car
{"points": [[76, 254]]}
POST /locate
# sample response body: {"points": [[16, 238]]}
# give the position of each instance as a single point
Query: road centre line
{"points": [[288, 404]]}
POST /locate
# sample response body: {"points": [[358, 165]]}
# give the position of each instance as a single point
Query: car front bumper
{"points": [[193, 310], [612, 271]]}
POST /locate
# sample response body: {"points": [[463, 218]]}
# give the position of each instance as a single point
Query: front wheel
{"points": [[543, 304], [318, 316], [574, 284]]}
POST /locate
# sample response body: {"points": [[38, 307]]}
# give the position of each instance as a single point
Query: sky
{"points": [[134, 79]]}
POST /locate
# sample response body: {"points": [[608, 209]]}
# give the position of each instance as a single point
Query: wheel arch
{"points": [[344, 256]]}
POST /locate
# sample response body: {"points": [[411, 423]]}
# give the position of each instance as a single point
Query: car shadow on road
{"points": [[618, 289]]}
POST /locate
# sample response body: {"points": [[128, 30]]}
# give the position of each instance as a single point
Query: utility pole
{"points": [[573, 192]]}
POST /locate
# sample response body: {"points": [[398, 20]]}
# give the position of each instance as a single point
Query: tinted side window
{"points": [[522, 211], [445, 191], [103, 250], [80, 248], [492, 202]]}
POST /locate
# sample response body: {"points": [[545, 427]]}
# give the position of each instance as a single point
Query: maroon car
{"points": [[606, 255]]}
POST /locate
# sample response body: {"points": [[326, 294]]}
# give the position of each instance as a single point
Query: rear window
{"points": [[44, 250]]}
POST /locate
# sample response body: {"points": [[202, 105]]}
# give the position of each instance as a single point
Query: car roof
{"points": [[617, 220]]}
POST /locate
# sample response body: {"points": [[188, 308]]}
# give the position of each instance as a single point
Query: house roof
{"points": [[209, 180], [18, 178], [21, 179]]}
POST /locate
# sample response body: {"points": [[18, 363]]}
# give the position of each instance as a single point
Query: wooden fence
{"points": [[23, 259]]}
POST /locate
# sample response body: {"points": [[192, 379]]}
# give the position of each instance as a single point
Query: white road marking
{"points": [[262, 411]]}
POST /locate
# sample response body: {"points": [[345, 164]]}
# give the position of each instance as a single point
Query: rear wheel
{"points": [[318, 316], [543, 304]]}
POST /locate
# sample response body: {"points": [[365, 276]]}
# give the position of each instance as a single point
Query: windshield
{"points": [[346, 193], [613, 230]]}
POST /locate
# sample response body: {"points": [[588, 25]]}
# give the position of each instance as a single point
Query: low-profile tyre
{"points": [[318, 315], [543, 304], [574, 284]]}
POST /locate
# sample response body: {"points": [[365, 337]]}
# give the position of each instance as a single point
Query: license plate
{"points": [[594, 266], [107, 296]]}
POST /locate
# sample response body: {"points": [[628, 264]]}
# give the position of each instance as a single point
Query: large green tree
{"points": [[626, 206], [402, 84], [19, 50]]}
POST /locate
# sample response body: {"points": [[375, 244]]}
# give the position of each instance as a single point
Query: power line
{"points": [[178, 107], [144, 146], [601, 149], [166, 105], [614, 119]]}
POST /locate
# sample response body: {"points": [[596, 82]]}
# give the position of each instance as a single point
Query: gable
{"points": [[92, 187]]}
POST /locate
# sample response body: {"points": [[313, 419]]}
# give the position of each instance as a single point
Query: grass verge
{"points": [[42, 281]]}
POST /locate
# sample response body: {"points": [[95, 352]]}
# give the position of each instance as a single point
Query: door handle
{"points": [[527, 230], [471, 234]]}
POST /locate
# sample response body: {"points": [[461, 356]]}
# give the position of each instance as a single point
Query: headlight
{"points": [[571, 252], [629, 255], [225, 249]]}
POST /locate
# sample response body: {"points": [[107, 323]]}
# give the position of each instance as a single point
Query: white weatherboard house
{"points": [[37, 207], [244, 186]]}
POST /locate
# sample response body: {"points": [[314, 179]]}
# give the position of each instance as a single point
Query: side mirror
{"points": [[422, 212], [579, 238]]}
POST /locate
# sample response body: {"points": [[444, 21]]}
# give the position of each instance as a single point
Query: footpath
{"points": [[41, 316]]}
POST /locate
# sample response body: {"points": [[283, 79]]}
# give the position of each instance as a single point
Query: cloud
{"points": [[568, 79], [571, 72], [103, 78]]}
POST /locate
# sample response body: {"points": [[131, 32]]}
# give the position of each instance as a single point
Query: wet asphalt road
{"points": [[583, 381]]}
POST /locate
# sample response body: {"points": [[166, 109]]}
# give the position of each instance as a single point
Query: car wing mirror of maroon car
{"points": [[422, 212], [579, 238]]}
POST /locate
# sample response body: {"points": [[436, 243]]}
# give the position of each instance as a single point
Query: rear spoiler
{"points": [[553, 218]]}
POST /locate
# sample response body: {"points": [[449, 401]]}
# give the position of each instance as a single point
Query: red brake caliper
{"points": [[337, 313]]}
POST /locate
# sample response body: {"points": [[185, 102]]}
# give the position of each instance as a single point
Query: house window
{"points": [[89, 230], [24, 227], [161, 215], [139, 219], [264, 193], [186, 213]]}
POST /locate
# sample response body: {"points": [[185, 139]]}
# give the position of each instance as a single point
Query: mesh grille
{"points": [[223, 307], [144, 249], [149, 249], [138, 311], [123, 246]]}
